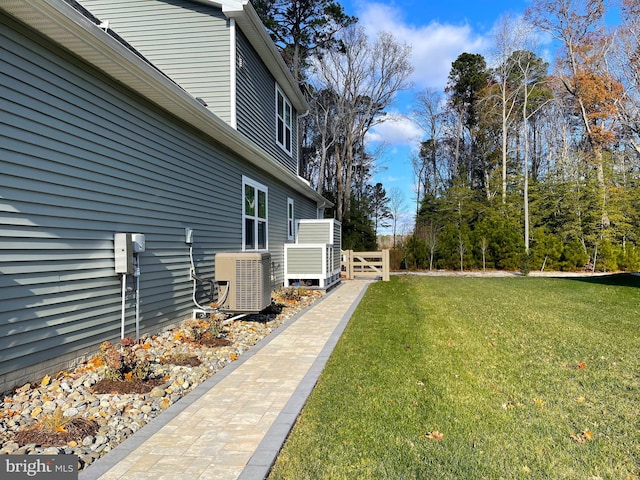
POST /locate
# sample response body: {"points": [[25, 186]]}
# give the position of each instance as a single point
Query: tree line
{"points": [[530, 165], [523, 164]]}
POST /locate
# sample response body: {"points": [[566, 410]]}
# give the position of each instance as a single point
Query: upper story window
{"points": [[284, 121], [254, 213], [290, 220]]}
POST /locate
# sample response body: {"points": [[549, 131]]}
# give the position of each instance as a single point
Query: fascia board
{"points": [[65, 26]]}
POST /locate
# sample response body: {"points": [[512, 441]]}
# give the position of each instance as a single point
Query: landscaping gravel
{"points": [[120, 415]]}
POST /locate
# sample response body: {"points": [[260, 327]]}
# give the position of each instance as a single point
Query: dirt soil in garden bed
{"points": [[215, 342], [127, 386]]}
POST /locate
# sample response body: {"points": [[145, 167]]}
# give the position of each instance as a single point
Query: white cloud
{"points": [[396, 130], [434, 46]]}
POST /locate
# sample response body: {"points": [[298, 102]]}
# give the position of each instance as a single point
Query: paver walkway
{"points": [[233, 425]]}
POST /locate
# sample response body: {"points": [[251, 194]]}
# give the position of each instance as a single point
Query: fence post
{"points": [[350, 264], [345, 261], [385, 265]]}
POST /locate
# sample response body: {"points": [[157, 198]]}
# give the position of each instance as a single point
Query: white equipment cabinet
{"points": [[314, 260]]}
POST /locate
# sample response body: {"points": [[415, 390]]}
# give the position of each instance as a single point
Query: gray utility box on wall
{"points": [[244, 281]]}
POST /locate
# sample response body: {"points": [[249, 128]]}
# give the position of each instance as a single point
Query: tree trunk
{"points": [[504, 149], [339, 184], [525, 163]]}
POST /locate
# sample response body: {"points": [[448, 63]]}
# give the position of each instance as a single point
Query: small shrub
{"points": [[124, 363], [199, 329], [293, 294], [525, 263]]}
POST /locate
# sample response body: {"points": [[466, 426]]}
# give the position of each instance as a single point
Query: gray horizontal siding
{"points": [[314, 233], [81, 158], [188, 41], [256, 105], [301, 261]]}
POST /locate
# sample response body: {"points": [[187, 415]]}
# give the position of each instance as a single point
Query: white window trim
{"points": [[258, 186], [233, 115], [287, 103], [291, 223]]}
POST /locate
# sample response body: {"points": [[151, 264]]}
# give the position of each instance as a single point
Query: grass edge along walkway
{"points": [[478, 378]]}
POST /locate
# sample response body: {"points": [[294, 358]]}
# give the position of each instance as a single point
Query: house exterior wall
{"points": [[256, 104], [188, 41], [192, 43], [82, 158]]}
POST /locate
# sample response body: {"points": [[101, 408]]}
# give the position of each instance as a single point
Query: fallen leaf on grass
{"points": [[582, 437], [435, 435], [581, 365]]}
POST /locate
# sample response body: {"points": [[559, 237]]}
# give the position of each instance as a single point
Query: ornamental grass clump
{"points": [[55, 429]]}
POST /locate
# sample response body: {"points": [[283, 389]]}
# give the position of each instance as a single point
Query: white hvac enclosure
{"points": [[314, 260], [244, 281]]}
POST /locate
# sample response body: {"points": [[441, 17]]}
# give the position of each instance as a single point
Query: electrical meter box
{"points": [[123, 253], [137, 240]]}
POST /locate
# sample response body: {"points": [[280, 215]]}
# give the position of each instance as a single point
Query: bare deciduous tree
{"points": [[364, 78], [428, 115], [510, 36], [397, 206]]}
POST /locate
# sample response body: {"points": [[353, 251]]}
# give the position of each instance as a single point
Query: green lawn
{"points": [[518, 377]]}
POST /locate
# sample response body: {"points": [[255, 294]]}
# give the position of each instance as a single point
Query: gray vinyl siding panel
{"points": [[301, 261], [314, 233], [256, 104], [303, 209], [188, 41], [82, 158]]}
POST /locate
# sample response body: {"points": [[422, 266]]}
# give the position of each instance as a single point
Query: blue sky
{"points": [[438, 32]]}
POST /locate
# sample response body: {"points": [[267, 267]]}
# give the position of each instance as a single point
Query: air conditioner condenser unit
{"points": [[244, 281]]}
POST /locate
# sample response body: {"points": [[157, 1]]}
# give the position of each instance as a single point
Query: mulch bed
{"points": [[215, 342], [183, 361], [76, 430], [127, 386]]}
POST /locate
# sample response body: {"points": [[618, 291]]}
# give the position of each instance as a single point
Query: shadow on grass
{"points": [[616, 279]]}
